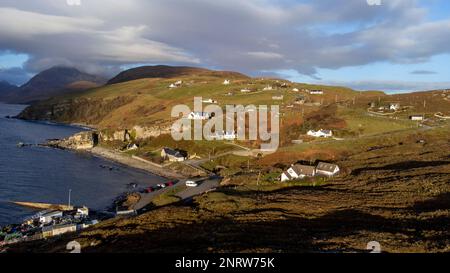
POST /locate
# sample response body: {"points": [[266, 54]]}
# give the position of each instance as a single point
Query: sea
{"points": [[39, 174]]}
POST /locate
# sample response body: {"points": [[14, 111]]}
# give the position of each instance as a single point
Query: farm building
{"points": [[226, 82], [48, 217]]}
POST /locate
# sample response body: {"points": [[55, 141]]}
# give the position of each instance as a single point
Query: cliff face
{"points": [[79, 110]]}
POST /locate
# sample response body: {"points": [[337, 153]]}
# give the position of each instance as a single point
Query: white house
{"points": [[320, 133], [298, 172], [417, 117], [295, 90], [246, 90], [209, 101], [268, 88], [327, 169], [394, 106], [226, 82], [199, 116], [316, 92], [176, 84]]}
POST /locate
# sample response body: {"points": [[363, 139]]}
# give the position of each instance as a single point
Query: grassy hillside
{"points": [[393, 189]]}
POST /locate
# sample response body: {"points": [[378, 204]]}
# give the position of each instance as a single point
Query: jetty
{"points": [[44, 206]]}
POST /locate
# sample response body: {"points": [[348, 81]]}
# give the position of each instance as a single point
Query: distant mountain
{"points": [[163, 71], [7, 90], [53, 82]]}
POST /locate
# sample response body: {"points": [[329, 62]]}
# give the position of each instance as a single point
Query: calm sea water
{"points": [[38, 174]]}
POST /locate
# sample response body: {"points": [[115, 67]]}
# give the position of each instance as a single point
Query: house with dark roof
{"points": [[327, 169], [298, 171], [174, 155]]}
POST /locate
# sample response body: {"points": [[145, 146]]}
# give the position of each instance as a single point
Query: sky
{"points": [[392, 45]]}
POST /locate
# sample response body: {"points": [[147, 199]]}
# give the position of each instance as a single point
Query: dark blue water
{"points": [[38, 174]]}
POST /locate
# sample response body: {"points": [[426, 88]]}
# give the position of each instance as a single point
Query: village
{"points": [[46, 224]]}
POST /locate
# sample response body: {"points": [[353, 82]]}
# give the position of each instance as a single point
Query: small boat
{"points": [[21, 144]]}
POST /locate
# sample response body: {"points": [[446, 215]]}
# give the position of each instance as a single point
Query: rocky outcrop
{"points": [[80, 141]]}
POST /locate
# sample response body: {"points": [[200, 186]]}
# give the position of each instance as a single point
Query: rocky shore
{"points": [[86, 142]]}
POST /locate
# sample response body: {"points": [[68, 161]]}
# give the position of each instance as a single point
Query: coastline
{"points": [[133, 163]]}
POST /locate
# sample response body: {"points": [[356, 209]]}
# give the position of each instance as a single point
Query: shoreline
{"points": [[133, 163]]}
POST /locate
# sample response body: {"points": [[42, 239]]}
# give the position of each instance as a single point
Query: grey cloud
{"points": [[248, 36], [423, 72], [14, 75]]}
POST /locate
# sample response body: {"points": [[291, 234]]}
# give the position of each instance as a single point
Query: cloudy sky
{"points": [[396, 46]]}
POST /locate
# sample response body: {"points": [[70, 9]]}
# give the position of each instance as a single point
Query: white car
{"points": [[161, 186], [190, 183]]}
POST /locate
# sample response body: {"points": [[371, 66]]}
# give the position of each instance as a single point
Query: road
{"points": [[203, 186]]}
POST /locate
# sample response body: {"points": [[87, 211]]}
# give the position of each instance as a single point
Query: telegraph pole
{"points": [[70, 193]]}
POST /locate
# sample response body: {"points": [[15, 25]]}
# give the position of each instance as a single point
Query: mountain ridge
{"points": [[51, 82], [164, 71]]}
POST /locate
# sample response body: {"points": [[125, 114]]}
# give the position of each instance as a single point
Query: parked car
{"points": [[149, 190], [169, 184], [190, 183], [161, 186]]}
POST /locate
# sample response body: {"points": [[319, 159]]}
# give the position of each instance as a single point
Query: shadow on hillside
{"points": [[291, 235], [407, 165], [441, 202]]}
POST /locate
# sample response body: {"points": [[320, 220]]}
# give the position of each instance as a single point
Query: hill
{"points": [[163, 71], [7, 90], [147, 100], [52, 82]]}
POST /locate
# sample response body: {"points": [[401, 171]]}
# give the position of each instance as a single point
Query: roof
{"points": [[288, 175], [52, 213], [304, 169], [175, 152], [327, 167]]}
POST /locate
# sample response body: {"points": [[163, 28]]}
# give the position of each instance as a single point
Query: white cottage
{"points": [[320, 133], [199, 116], [327, 169]]}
